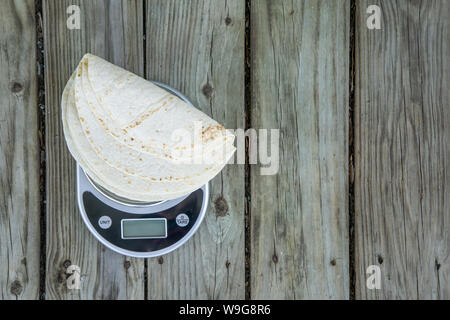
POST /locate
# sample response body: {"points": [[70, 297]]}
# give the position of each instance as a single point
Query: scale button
{"points": [[104, 222], [182, 220]]}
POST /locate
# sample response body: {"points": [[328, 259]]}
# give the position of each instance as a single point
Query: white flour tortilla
{"points": [[142, 115], [147, 175]]}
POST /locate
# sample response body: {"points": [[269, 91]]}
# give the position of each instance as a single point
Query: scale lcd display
{"points": [[144, 228]]}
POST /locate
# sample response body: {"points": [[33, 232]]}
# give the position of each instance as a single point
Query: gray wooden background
{"points": [[364, 159]]}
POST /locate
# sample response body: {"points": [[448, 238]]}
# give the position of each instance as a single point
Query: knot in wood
{"points": [[67, 263], [16, 87], [16, 288], [221, 206], [207, 90]]}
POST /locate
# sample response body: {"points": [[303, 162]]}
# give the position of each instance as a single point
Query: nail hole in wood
{"points": [[380, 259], [438, 265], [275, 258]]}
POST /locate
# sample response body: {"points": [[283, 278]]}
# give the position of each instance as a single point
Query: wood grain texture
{"points": [[198, 48], [114, 30], [299, 217], [19, 153], [402, 153]]}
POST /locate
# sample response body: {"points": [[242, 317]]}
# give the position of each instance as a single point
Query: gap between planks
{"points": [[40, 65], [351, 149], [247, 99]]}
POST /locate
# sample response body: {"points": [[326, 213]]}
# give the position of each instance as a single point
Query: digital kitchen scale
{"points": [[140, 229]]}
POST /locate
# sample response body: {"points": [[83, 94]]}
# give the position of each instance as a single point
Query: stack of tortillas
{"points": [[137, 140]]}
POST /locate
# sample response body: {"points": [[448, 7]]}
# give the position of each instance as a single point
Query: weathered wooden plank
{"points": [[19, 153], [401, 127], [114, 30], [198, 48], [299, 217]]}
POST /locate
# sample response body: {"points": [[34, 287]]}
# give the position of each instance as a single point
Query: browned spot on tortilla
{"points": [[211, 132], [81, 119], [145, 116]]}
